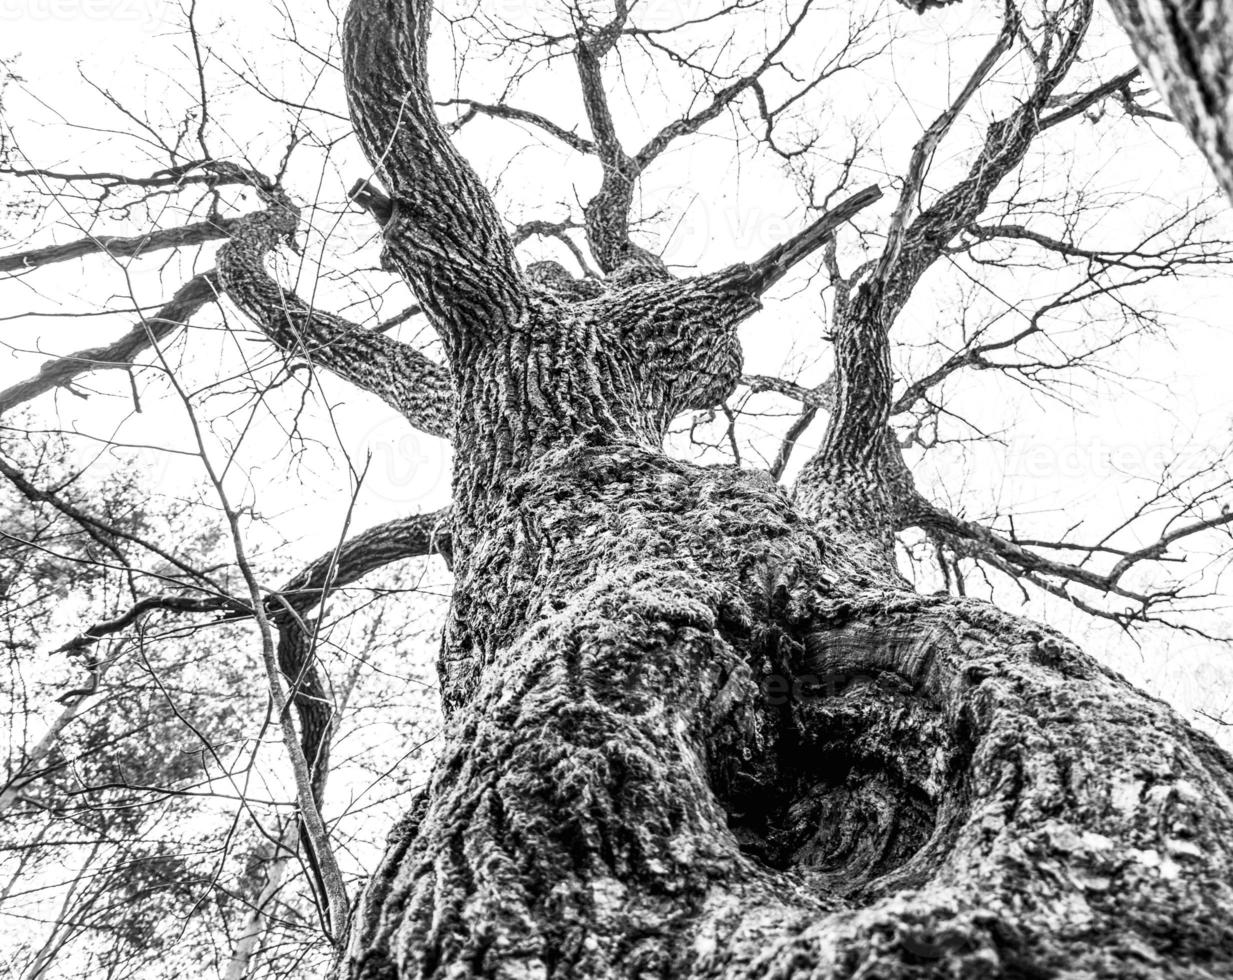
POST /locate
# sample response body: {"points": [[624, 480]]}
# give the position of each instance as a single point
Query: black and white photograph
{"points": [[616, 489]]}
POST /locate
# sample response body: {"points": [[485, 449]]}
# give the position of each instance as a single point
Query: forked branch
{"points": [[1027, 562]]}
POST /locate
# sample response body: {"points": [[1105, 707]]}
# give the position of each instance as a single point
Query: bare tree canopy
{"points": [[725, 686]]}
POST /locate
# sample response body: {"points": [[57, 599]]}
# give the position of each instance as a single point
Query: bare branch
{"points": [[722, 100], [400, 375], [116, 246], [61, 372], [977, 541], [498, 111]]}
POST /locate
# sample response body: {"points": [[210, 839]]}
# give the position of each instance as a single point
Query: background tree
{"points": [[697, 725], [139, 836]]}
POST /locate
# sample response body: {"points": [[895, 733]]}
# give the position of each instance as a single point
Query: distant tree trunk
{"points": [[274, 861], [31, 764], [68, 923], [1186, 49], [698, 727]]}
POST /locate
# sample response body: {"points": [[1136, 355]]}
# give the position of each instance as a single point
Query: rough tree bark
{"points": [[1187, 50], [700, 727]]}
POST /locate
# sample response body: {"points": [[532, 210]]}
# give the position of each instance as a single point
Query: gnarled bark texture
{"points": [[700, 727], [689, 741]]}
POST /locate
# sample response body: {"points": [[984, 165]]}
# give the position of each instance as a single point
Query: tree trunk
{"points": [[692, 738], [275, 860], [698, 728], [1187, 50], [30, 768]]}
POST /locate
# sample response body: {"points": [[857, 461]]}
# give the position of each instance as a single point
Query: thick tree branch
{"points": [[444, 234], [404, 378], [406, 537], [209, 173], [852, 483], [847, 486], [411, 383], [821, 397], [116, 246], [409, 537], [685, 328], [1082, 101], [408, 381], [927, 145], [607, 213], [923, 240], [795, 431], [774, 265]]}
